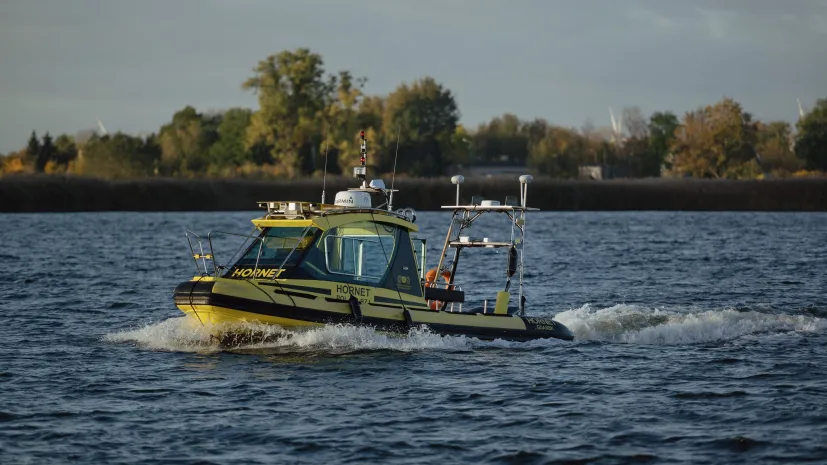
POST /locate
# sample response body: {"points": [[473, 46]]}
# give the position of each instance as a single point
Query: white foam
{"points": [[620, 323], [182, 334], [643, 325], [174, 334]]}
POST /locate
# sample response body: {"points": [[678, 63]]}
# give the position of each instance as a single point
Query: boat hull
{"points": [[308, 304]]}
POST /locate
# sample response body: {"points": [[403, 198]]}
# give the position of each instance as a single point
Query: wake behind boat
{"points": [[359, 262]]}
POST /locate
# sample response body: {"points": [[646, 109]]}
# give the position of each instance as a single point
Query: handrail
{"points": [[211, 255], [201, 255]]}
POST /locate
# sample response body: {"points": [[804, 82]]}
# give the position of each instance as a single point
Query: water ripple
{"points": [[700, 339]]}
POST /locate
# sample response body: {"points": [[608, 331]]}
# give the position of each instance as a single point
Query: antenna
{"points": [[326, 146], [102, 128], [395, 155]]}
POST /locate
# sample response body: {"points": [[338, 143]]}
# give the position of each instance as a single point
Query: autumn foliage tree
{"points": [[774, 150], [717, 141]]}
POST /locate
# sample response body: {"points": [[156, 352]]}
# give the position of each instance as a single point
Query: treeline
{"points": [[308, 119]]}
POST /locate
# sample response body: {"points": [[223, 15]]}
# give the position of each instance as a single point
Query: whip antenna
{"points": [[326, 146], [395, 156]]}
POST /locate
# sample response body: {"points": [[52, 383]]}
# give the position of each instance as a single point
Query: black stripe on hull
{"points": [[193, 292], [295, 294], [317, 290], [196, 293]]}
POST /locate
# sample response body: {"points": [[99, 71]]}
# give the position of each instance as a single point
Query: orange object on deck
{"points": [[430, 281]]}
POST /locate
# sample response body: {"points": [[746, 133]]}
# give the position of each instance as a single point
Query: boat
{"points": [[360, 262]]}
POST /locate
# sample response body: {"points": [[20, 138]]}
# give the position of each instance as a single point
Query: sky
{"points": [[133, 63]]}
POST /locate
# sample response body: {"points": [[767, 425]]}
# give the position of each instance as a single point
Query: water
{"points": [[701, 338]]}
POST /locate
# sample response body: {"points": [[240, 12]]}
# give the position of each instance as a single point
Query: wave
{"points": [[644, 325], [633, 324], [187, 335]]}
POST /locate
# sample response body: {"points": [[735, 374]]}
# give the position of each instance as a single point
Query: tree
{"points": [[425, 115], [558, 153], [13, 162], [185, 142], [811, 140], [773, 148], [33, 147], [503, 139], [717, 141], [292, 93], [662, 127], [66, 151], [119, 156], [346, 113], [46, 154], [230, 150]]}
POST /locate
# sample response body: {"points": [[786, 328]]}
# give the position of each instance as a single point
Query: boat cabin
{"points": [[350, 245]]}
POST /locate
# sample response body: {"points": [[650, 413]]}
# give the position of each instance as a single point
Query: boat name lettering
{"points": [[347, 290], [248, 272], [541, 324]]}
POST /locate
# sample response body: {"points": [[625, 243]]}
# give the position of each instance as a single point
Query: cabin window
{"points": [[361, 251], [275, 244], [419, 255]]}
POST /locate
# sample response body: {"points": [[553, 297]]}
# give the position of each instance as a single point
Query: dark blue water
{"points": [[701, 338]]}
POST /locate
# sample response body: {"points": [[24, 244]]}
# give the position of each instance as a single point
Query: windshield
{"points": [[270, 250]]}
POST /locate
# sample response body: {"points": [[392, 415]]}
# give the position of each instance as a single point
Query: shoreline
{"points": [[53, 193]]}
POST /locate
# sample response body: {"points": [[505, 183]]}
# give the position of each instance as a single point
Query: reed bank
{"points": [[51, 193]]}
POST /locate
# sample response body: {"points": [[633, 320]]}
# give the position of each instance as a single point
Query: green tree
{"points": [[425, 116], [774, 150], [33, 147], [230, 149], [185, 142], [347, 112], [292, 93], [662, 126], [811, 140], [119, 156], [46, 154], [503, 139], [558, 153], [66, 150]]}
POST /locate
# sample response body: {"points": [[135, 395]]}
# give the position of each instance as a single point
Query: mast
{"points": [[360, 172], [525, 180]]}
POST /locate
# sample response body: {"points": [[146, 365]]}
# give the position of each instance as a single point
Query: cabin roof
{"points": [[325, 216]]}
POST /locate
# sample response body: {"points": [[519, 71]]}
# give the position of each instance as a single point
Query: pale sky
{"points": [[133, 63]]}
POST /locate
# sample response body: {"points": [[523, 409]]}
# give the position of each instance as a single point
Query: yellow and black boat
{"points": [[311, 264]]}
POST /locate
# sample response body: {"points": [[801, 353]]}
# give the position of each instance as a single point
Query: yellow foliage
{"points": [[12, 165], [808, 174], [53, 167]]}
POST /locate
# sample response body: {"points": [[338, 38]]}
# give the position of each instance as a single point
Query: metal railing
{"points": [[449, 307], [216, 267]]}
